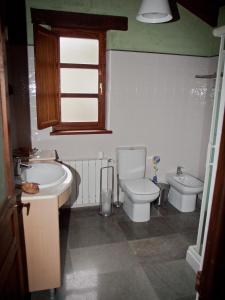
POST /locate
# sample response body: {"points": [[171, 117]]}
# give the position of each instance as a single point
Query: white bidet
{"points": [[183, 191]]}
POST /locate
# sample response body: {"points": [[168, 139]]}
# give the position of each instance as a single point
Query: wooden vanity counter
{"points": [[41, 231]]}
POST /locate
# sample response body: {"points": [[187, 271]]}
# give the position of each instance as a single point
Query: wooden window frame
{"points": [[48, 99], [101, 67], [47, 72]]}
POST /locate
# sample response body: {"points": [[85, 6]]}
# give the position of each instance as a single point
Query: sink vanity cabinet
{"points": [[41, 231]]}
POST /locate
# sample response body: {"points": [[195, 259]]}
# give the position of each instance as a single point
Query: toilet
{"points": [[138, 190]]}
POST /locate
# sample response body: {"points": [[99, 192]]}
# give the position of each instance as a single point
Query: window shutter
{"points": [[47, 77]]}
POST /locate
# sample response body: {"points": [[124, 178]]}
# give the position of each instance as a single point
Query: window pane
{"points": [[79, 81], [79, 109], [78, 51]]}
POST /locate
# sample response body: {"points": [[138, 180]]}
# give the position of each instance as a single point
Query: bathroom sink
{"points": [[45, 174]]}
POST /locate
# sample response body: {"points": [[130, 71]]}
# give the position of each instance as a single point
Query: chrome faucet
{"points": [[179, 170], [19, 165]]}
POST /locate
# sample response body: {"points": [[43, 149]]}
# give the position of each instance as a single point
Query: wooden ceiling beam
{"points": [[78, 20], [207, 10]]}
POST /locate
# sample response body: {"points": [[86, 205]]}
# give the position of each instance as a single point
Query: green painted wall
{"points": [[221, 19], [189, 35]]}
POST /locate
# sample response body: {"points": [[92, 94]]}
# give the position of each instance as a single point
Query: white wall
{"points": [[153, 100]]}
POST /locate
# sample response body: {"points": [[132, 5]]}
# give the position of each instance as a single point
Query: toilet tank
{"points": [[131, 162]]}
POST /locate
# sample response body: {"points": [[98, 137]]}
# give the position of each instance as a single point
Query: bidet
{"points": [[183, 191]]}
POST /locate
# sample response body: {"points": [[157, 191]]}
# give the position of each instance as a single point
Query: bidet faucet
{"points": [[179, 170]]}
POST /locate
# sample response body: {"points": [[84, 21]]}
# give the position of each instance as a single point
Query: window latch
{"points": [[100, 88]]}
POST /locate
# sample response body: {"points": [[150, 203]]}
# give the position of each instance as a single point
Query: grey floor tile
{"points": [[40, 295], [80, 285], [103, 259], [155, 227], [193, 297], [159, 249], [191, 236], [166, 209], [158, 226], [99, 264], [120, 215], [183, 221], [171, 280], [66, 265], [130, 284], [98, 232], [90, 221], [84, 212], [134, 231], [155, 210]]}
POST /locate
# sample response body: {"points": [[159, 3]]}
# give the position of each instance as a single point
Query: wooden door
{"points": [[13, 279], [12, 272]]}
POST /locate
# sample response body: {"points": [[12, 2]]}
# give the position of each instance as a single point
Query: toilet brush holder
{"points": [[106, 196]]}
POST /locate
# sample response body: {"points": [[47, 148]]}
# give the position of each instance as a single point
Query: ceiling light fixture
{"points": [[154, 11]]}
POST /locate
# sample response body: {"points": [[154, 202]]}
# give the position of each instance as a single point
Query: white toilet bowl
{"points": [[183, 191], [138, 190], [138, 195]]}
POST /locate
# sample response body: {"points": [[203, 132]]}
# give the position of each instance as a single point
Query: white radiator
{"points": [[86, 180]]}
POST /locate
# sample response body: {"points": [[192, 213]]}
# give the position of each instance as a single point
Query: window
{"points": [[82, 79], [70, 69]]}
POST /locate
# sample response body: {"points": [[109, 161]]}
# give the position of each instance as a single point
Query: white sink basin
{"points": [[45, 174]]}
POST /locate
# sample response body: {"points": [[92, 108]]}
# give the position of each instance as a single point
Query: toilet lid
{"points": [[142, 186]]}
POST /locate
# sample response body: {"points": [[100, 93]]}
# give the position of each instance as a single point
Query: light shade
{"points": [[154, 11]]}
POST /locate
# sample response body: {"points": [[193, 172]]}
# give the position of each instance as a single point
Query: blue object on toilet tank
{"points": [[154, 179], [156, 160]]}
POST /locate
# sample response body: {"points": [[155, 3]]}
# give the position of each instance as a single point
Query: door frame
{"points": [[210, 281], [4, 110], [13, 271]]}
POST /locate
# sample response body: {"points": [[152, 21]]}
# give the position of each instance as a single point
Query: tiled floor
{"points": [[114, 258]]}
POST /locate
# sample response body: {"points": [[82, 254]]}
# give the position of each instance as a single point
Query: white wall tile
{"points": [[152, 100]]}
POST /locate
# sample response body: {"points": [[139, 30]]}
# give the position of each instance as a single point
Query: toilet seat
{"points": [[140, 190]]}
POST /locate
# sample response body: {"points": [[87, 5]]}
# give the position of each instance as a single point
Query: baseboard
{"points": [[193, 258]]}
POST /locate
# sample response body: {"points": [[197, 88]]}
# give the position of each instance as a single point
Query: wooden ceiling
{"points": [[207, 10]]}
